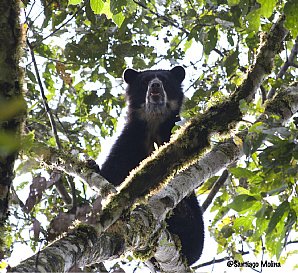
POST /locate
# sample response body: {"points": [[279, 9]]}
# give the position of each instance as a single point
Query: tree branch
{"points": [[61, 189], [163, 17], [285, 104], [217, 185], [287, 64], [12, 103], [44, 98], [214, 261], [53, 159], [57, 29], [137, 230], [187, 146]]}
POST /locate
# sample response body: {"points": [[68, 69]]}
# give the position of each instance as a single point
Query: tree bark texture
{"points": [[135, 231], [187, 146], [12, 105], [284, 105]]}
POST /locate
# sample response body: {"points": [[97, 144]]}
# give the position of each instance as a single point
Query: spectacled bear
{"points": [[154, 101]]}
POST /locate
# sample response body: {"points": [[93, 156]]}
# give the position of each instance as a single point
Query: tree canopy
{"points": [[241, 97]]}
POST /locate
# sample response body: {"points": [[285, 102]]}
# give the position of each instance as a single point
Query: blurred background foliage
{"points": [[81, 49]]}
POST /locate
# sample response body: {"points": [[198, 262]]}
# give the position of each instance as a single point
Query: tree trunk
{"points": [[12, 104]]}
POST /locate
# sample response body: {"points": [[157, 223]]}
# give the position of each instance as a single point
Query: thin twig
{"points": [[73, 191], [217, 185], [42, 11], [60, 187], [27, 15], [63, 192], [263, 93], [214, 261], [287, 64], [163, 17], [59, 28], [44, 98], [263, 252]]}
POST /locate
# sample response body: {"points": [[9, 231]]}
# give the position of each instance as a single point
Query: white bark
{"points": [[220, 157], [88, 245], [84, 247], [187, 147], [54, 159]]}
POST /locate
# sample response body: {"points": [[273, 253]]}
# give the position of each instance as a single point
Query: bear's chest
{"points": [[153, 137]]}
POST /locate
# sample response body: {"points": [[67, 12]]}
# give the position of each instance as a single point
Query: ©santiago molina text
{"points": [[235, 263]]}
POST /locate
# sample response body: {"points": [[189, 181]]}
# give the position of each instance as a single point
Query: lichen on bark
{"points": [[12, 104]]}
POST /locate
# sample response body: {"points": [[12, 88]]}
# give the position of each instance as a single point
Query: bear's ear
{"points": [[179, 73], [130, 75]]}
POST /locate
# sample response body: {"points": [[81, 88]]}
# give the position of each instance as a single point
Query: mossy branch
{"points": [[189, 144], [284, 105], [54, 159], [136, 230]]}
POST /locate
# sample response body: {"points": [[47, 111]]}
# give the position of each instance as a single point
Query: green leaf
{"points": [[187, 45], [241, 172], [207, 185], [3, 265], [242, 202], [116, 5], [254, 20], [100, 7], [243, 223], [28, 141], [97, 6], [291, 220], [260, 228], [211, 41], [231, 63], [267, 7], [107, 10], [118, 19], [31, 76], [257, 127], [233, 2], [277, 216], [74, 2], [227, 231], [191, 13], [291, 11]]}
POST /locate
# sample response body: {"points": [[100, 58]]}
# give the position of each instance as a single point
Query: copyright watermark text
{"points": [[235, 263]]}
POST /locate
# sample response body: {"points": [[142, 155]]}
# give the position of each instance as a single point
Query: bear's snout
{"points": [[156, 93]]}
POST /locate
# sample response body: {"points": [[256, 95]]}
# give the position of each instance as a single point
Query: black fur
{"points": [[154, 102]]}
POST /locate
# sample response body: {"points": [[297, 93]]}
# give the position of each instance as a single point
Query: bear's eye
{"points": [[163, 79], [145, 81]]}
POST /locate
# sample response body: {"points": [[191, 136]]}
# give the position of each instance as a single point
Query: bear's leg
{"points": [[187, 223]]}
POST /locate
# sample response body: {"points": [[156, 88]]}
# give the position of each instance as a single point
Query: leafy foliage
{"points": [[82, 49]]}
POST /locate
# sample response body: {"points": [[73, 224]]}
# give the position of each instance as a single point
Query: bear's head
{"points": [[155, 93]]}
